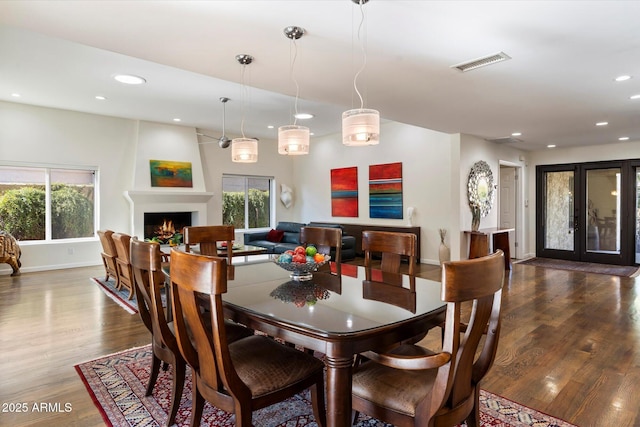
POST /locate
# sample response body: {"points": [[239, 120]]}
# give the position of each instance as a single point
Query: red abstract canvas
{"points": [[385, 191], [344, 192]]}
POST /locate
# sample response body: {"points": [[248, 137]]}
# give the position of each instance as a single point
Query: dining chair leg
{"points": [[179, 372], [319, 407], [198, 404], [473, 420], [155, 368]]}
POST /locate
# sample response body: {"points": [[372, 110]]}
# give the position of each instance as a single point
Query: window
{"points": [[246, 201], [47, 203]]}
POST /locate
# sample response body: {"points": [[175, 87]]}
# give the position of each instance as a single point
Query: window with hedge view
{"points": [[47, 203], [246, 201]]}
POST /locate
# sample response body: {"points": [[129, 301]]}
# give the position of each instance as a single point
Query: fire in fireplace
{"points": [[163, 226]]}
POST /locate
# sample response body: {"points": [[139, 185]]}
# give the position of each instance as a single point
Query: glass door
{"points": [[581, 213], [558, 222]]}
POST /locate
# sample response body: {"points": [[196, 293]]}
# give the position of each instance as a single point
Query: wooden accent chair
{"points": [[109, 255], [249, 374], [393, 247], [146, 263], [123, 262], [208, 236], [324, 239], [412, 386]]}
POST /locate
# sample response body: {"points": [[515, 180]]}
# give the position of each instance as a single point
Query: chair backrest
{"points": [[123, 260], [325, 239], [194, 277], [208, 237], [109, 253], [393, 247], [146, 263], [478, 281]]}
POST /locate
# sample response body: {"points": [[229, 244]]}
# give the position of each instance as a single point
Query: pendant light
{"points": [[360, 126], [244, 150], [293, 140]]}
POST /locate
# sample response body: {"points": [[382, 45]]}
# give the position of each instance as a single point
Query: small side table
{"points": [[479, 243]]}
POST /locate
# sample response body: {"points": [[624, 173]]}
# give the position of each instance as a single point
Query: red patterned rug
{"points": [[121, 297], [117, 384]]}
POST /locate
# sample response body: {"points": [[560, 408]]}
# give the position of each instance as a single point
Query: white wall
{"points": [[426, 168], [57, 137], [474, 149]]}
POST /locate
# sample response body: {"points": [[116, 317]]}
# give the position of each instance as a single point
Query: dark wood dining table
{"points": [[329, 314]]}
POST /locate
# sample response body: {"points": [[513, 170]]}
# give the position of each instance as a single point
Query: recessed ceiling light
{"points": [[101, 98], [516, 134], [270, 127], [15, 95], [623, 138], [622, 78], [551, 146], [602, 123], [635, 96], [129, 79], [303, 116], [311, 133], [177, 120]]}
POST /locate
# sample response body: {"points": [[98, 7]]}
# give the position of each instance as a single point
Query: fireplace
{"points": [[163, 226], [143, 203]]}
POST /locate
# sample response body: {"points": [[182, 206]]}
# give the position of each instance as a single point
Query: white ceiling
{"points": [[558, 84]]}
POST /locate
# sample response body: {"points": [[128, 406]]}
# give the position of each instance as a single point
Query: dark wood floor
{"points": [[570, 344]]}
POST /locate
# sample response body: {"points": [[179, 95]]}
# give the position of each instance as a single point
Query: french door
{"points": [[587, 212]]}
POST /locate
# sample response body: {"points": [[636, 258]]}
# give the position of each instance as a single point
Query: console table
{"points": [[479, 243]]}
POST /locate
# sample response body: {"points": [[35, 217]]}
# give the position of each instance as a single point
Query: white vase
{"points": [[444, 253]]}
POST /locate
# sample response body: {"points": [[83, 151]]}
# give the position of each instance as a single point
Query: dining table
{"points": [[330, 315]]}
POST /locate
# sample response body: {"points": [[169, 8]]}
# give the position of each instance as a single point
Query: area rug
{"points": [[119, 296], [117, 385], [585, 267]]}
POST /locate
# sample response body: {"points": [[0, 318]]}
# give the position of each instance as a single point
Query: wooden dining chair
{"points": [[209, 237], [146, 263], [327, 240], [123, 262], [248, 374], [412, 386], [109, 255], [393, 247]]}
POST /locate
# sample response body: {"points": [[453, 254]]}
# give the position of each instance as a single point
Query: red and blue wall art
{"points": [[344, 192], [385, 191]]}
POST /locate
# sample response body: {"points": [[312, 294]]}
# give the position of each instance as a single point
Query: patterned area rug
{"points": [[586, 267], [117, 384], [120, 297]]}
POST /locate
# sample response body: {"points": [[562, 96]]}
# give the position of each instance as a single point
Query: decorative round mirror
{"points": [[480, 188]]}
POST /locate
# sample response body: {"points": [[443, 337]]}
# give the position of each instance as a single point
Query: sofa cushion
{"points": [[290, 237], [275, 236], [291, 227]]}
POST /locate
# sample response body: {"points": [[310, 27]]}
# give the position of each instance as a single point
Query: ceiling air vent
{"points": [[481, 62], [505, 140]]}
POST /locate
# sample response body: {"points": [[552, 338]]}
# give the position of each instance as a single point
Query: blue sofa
{"points": [[291, 239]]}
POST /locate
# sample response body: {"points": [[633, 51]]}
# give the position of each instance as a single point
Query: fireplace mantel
{"points": [[137, 196], [141, 201]]}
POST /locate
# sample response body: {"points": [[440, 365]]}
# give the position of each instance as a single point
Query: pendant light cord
{"points": [[364, 55], [292, 61], [243, 97]]}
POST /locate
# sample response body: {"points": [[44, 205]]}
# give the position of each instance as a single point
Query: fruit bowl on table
{"points": [[301, 271]]}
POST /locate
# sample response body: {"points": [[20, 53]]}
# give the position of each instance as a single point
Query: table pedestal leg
{"points": [[338, 391]]}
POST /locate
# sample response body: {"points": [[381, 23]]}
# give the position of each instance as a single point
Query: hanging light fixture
{"points": [[360, 126], [293, 139], [244, 150]]}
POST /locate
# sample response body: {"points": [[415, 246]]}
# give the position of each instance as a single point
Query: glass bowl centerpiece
{"points": [[301, 262]]}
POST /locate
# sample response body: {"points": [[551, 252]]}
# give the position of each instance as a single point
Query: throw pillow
{"points": [[275, 236]]}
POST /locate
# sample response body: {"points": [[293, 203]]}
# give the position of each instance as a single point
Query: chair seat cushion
{"points": [[396, 389], [264, 365]]}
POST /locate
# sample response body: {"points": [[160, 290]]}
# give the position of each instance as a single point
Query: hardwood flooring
{"points": [[569, 345]]}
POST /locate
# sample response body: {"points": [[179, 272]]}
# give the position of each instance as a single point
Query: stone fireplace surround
{"points": [[142, 202]]}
